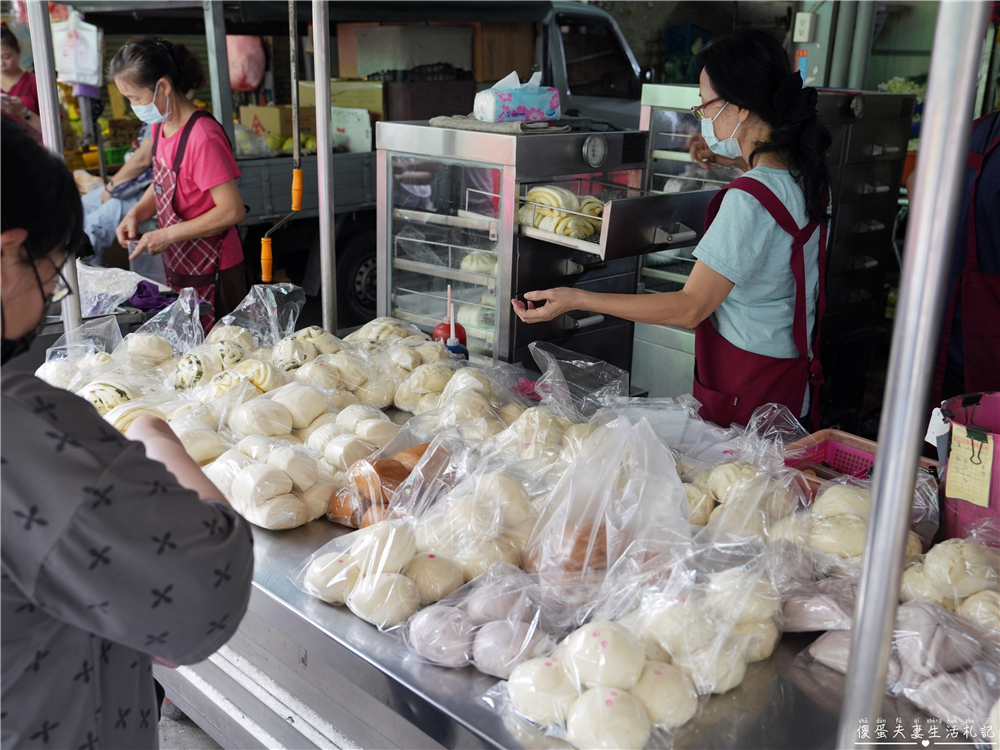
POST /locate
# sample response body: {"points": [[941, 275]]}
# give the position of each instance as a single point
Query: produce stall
{"points": [[738, 537]]}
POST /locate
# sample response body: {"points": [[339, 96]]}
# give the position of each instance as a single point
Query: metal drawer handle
{"points": [[878, 187], [590, 320], [876, 150], [675, 233], [872, 225]]}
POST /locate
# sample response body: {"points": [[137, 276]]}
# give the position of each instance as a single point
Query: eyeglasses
{"points": [[62, 288], [699, 112]]}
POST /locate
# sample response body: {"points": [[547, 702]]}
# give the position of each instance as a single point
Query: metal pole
{"points": [[218, 65], [843, 41], [293, 55], [864, 27], [930, 239], [324, 164], [48, 105]]}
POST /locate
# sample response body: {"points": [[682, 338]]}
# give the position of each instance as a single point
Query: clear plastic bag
{"points": [[770, 429], [574, 385], [102, 290], [711, 609], [384, 330], [78, 355], [164, 338], [621, 488], [268, 313], [304, 346], [827, 604], [273, 484], [677, 423]]}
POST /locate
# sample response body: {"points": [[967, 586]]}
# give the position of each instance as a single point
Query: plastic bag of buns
{"points": [[832, 530], [279, 411], [365, 570], [577, 694], [492, 623], [164, 338], [710, 609], [273, 484], [265, 316], [942, 664], [383, 330], [961, 574], [737, 499], [302, 347], [76, 357], [421, 391], [622, 487]]}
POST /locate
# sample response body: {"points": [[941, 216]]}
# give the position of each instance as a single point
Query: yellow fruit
{"points": [[274, 142], [289, 145], [311, 144]]}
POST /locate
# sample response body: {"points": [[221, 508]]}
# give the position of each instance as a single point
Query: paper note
{"points": [[970, 465]]}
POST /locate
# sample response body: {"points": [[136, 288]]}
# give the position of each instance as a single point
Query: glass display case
{"points": [[666, 114], [497, 215], [445, 229]]}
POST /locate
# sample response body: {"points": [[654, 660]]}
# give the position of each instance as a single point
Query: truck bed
{"points": [[266, 185]]}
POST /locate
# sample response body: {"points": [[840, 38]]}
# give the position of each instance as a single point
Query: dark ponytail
{"points": [[145, 60], [751, 69]]}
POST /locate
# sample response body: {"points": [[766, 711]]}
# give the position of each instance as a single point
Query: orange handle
{"points": [[296, 189], [266, 260]]}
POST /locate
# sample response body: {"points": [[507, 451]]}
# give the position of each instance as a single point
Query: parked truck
{"points": [[579, 49]]}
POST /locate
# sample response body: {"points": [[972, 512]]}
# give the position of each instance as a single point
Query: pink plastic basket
{"points": [[841, 457], [842, 451]]}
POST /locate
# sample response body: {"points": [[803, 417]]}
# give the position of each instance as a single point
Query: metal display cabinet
{"points": [[448, 208]]}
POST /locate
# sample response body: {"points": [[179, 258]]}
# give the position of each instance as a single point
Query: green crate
{"points": [[115, 154]]}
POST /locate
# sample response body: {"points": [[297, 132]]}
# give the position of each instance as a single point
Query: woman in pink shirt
{"points": [[18, 84], [194, 194]]}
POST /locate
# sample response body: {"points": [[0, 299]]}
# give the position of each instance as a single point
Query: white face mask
{"points": [[150, 113], [729, 148]]}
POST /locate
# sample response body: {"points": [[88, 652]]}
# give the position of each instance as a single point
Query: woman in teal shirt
{"points": [[754, 295]]}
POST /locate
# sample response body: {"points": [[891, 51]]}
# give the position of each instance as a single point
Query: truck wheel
{"points": [[357, 280]]}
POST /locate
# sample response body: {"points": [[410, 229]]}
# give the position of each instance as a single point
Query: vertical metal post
{"points": [[958, 41], [218, 65], [293, 56], [324, 163], [843, 41], [864, 27], [48, 105]]}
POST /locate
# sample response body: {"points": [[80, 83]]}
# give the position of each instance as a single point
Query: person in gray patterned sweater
{"points": [[116, 550]]}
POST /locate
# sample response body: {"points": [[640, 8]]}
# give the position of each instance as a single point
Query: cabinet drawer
{"points": [[855, 288], [873, 180], [877, 141]]}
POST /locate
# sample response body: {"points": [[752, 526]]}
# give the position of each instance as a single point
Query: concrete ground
{"points": [[181, 733]]}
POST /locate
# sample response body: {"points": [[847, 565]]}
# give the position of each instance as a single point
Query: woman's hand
{"points": [[154, 243], [105, 195], [704, 157], [555, 302], [13, 105], [127, 229]]}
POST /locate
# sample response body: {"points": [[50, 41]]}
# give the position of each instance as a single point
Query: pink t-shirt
{"points": [[26, 90], [208, 162]]}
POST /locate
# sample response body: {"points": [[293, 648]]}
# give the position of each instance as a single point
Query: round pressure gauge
{"points": [[595, 149]]}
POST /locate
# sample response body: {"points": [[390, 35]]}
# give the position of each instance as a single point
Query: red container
{"points": [[442, 332], [956, 513]]}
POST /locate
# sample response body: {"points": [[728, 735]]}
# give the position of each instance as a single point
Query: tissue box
{"points": [[510, 101]]}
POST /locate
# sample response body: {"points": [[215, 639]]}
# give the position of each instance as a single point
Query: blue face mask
{"points": [[729, 148], [149, 113]]}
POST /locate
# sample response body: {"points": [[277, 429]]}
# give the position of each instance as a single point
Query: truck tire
{"points": [[357, 280]]}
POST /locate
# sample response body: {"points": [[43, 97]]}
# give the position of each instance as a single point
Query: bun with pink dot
{"points": [[604, 653]]}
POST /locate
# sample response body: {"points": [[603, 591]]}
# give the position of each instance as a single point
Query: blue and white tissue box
{"points": [[511, 101]]}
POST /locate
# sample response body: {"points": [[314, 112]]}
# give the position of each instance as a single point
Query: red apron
{"points": [[189, 263], [980, 292], [732, 383]]}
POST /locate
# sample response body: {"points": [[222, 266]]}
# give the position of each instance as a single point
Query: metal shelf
{"points": [[443, 272]]}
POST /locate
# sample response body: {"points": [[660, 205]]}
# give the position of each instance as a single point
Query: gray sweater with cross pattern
{"points": [[107, 561]]}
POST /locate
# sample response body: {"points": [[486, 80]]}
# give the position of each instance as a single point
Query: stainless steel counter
{"points": [[302, 673]]}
